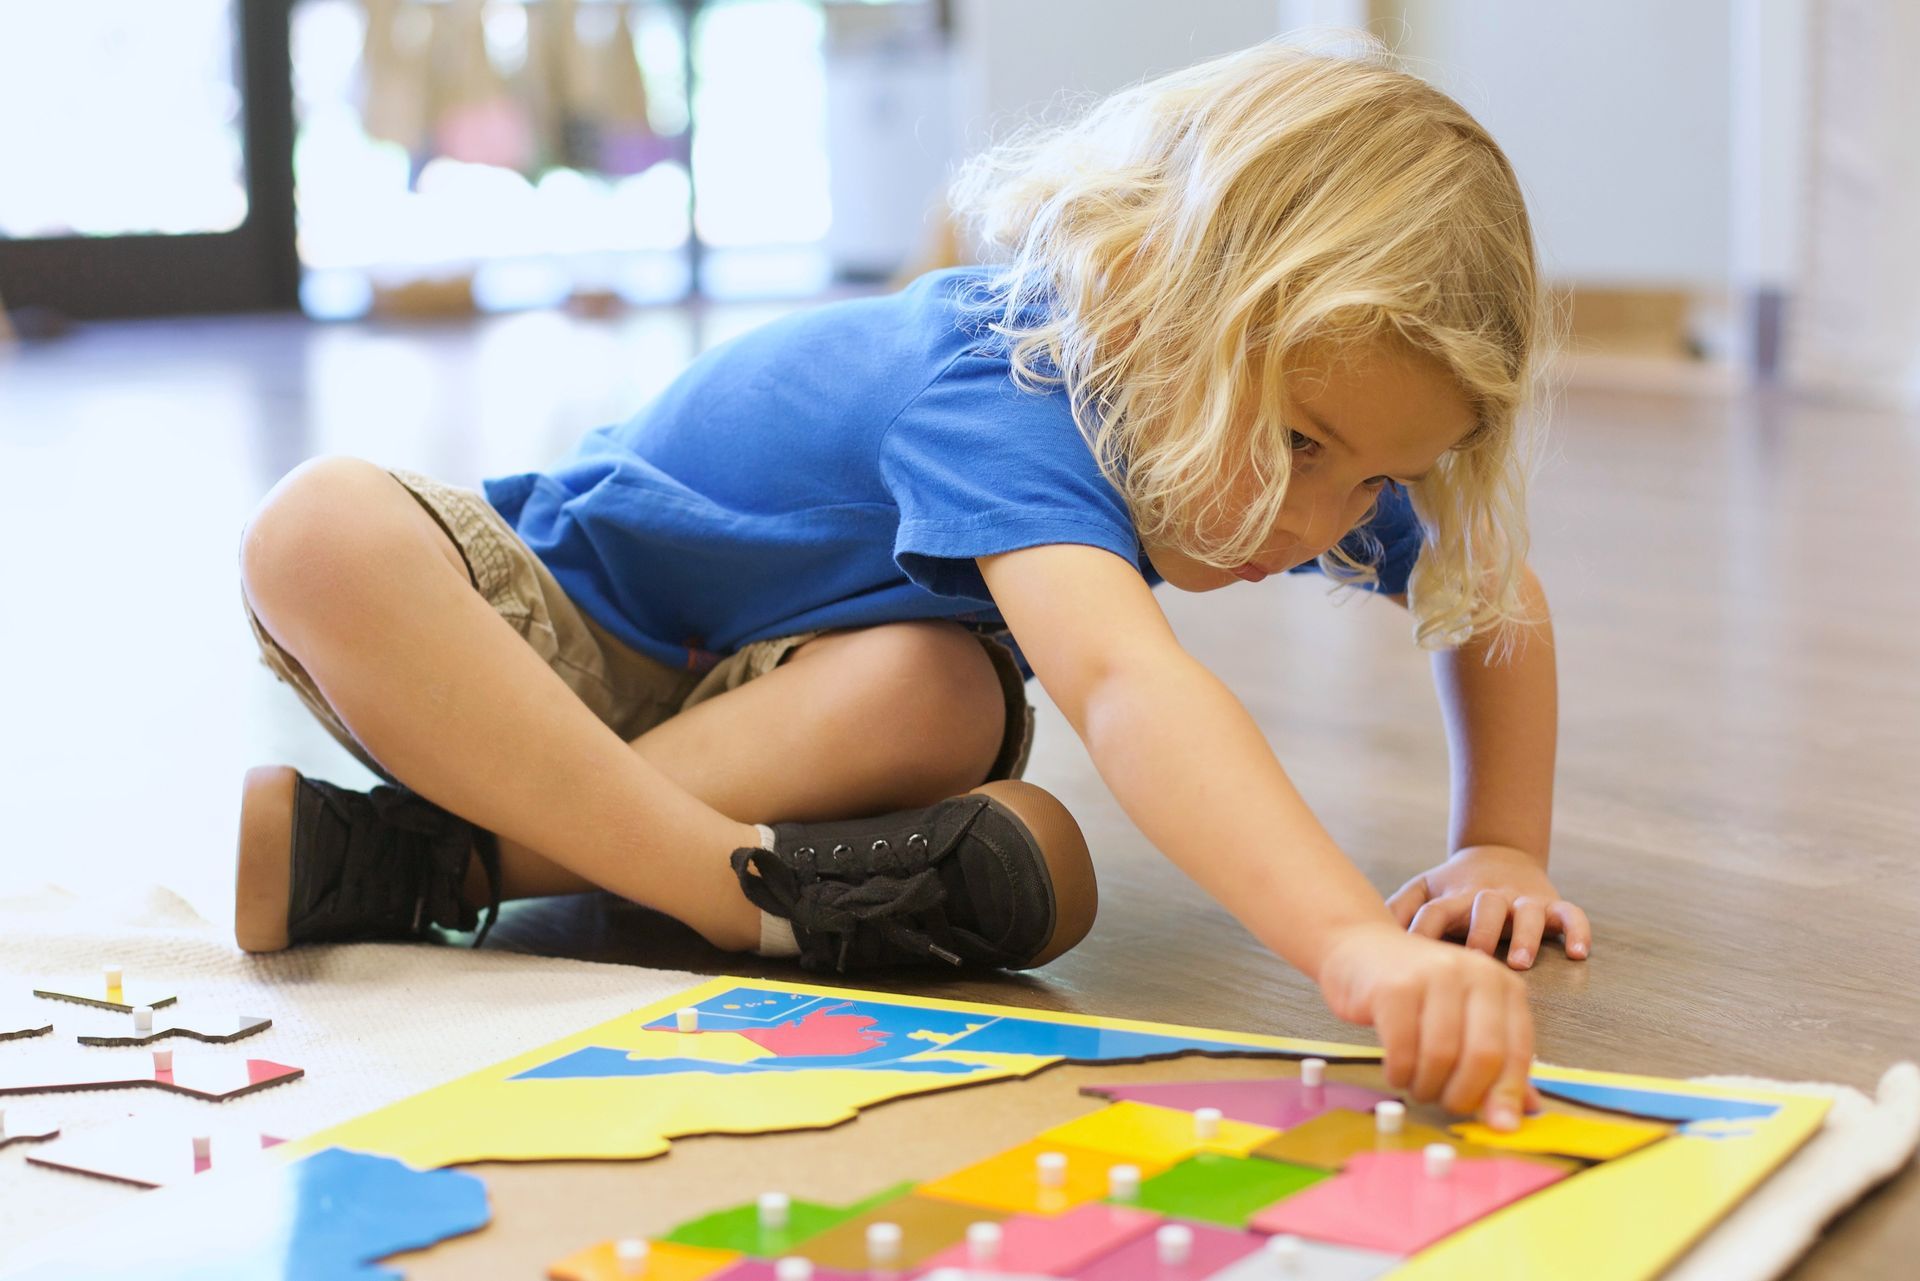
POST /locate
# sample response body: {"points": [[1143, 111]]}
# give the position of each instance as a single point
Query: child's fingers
{"points": [[1529, 923], [1442, 1020], [1489, 921], [1484, 1055], [1574, 928], [1396, 1021], [1513, 1091], [1440, 917], [1407, 900]]}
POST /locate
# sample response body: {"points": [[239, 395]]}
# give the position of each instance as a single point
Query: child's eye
{"points": [[1301, 444]]}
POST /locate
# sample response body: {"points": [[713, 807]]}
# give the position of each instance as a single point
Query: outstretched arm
{"points": [[1502, 721], [1191, 768]]}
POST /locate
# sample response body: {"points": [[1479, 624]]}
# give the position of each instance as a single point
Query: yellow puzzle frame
{"points": [[1629, 1217]]}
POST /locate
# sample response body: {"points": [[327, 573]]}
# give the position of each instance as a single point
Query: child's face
{"points": [[1381, 411]]}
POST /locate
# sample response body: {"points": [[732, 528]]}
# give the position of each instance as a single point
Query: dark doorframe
{"points": [[254, 267]]}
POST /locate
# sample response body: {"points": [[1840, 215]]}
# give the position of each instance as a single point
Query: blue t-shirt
{"points": [[840, 467]]}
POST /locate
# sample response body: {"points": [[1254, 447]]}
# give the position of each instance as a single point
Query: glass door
{"points": [[145, 157]]}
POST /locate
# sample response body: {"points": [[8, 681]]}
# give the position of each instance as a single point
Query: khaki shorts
{"points": [[628, 691]]}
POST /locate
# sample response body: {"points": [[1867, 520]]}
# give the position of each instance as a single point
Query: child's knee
{"points": [[317, 532]]}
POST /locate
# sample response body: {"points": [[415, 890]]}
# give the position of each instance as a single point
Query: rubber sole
{"points": [[263, 861], [1063, 848]]}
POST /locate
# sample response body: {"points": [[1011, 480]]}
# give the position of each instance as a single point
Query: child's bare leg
{"points": [[353, 578], [863, 722], [461, 709]]}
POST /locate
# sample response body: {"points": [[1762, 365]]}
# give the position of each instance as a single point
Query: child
{"points": [[1274, 312]]}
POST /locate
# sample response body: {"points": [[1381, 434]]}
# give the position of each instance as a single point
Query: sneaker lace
{"points": [[830, 916], [448, 839]]}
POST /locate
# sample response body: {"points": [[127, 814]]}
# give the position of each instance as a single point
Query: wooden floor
{"points": [[1735, 586]]}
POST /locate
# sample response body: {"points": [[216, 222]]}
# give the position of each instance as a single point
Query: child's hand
{"points": [[1454, 1025], [1485, 892]]}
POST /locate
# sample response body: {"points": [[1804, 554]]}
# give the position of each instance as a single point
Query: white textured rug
{"points": [[375, 1023], [370, 1023]]}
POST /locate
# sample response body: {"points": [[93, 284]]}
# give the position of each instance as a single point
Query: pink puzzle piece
{"points": [[206, 1076], [1139, 1259], [151, 1153], [1055, 1246], [1279, 1103], [1387, 1201]]}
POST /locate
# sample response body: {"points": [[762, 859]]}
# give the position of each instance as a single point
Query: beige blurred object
{"points": [[394, 62], [1647, 321], [434, 298], [6, 325]]}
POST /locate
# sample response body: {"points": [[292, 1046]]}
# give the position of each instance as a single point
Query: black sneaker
{"points": [[379, 865], [998, 878]]}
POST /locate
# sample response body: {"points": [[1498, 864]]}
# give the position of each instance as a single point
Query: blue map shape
{"points": [[896, 1049], [1655, 1105], [327, 1217]]}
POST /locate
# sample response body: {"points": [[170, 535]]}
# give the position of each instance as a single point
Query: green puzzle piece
{"points": [[738, 1228], [1222, 1189]]}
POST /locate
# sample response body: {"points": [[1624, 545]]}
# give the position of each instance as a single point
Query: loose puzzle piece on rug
{"points": [[219, 1029], [107, 995], [152, 1152], [206, 1076], [23, 1125]]}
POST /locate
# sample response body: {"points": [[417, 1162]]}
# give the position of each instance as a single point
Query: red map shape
{"points": [[820, 1032]]}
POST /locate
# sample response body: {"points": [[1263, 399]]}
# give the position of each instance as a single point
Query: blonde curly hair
{"points": [[1161, 246]]}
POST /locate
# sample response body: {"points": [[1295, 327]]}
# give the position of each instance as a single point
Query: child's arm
{"points": [[1193, 771], [1501, 725]]}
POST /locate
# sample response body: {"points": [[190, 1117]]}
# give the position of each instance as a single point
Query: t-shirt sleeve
{"points": [[978, 466], [1390, 540]]}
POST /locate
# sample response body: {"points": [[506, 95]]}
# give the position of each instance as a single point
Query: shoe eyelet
{"points": [[806, 850], [882, 844], [841, 851], [917, 837]]}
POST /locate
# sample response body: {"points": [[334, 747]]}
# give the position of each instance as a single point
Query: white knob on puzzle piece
{"points": [[687, 1020], [793, 1268], [983, 1243], [1051, 1168], [143, 1020], [113, 973], [163, 1060], [3, 1123], [1313, 1072], [1123, 1182], [1284, 1250], [1439, 1160], [883, 1244], [1388, 1115], [1174, 1243], [202, 1147], [631, 1254], [773, 1211], [1206, 1124]]}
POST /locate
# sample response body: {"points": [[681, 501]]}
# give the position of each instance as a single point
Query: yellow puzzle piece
{"points": [[1144, 1133], [665, 1261], [1563, 1135], [1012, 1180]]}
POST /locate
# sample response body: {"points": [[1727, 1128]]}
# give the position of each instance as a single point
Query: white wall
{"points": [[1615, 116], [1016, 57]]}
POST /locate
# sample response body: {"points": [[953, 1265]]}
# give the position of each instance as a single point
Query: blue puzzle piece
{"points": [[1655, 1105], [896, 1038], [328, 1217]]}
